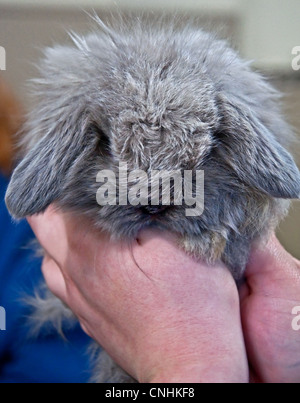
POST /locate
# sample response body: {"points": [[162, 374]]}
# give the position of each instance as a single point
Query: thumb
{"points": [[271, 267]]}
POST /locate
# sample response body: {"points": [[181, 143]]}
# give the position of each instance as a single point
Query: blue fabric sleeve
{"points": [[49, 358]]}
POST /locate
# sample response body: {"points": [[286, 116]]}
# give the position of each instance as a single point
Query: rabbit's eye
{"points": [[219, 136], [104, 142]]}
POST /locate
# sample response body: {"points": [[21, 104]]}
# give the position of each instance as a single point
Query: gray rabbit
{"points": [[157, 97]]}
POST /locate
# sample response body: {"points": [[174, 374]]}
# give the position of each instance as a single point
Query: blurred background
{"points": [[265, 31]]}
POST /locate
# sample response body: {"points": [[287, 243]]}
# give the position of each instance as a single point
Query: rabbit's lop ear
{"points": [[35, 183], [56, 134], [254, 154], [41, 177]]}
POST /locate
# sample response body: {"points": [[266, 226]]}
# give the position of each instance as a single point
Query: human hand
{"points": [[162, 316], [267, 299]]}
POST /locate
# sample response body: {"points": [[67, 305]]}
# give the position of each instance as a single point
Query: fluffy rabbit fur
{"points": [[166, 98]]}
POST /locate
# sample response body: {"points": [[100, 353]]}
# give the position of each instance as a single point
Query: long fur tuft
{"points": [[48, 313]]}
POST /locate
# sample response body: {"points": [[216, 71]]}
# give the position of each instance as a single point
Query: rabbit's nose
{"points": [[154, 210]]}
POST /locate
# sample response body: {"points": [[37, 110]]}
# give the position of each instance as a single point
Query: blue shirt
{"points": [[48, 358]]}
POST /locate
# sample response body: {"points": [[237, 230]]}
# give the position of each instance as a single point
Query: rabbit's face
{"points": [[159, 131]]}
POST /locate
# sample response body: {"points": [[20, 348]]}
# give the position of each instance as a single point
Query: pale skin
{"points": [[163, 316], [267, 301]]}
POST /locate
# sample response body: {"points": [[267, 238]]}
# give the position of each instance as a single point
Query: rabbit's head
{"points": [[156, 99]]}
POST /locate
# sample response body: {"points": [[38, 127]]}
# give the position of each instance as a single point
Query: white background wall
{"points": [[269, 28], [271, 31], [167, 4]]}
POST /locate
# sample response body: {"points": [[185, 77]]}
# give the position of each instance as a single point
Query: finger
{"points": [[50, 231], [269, 265], [161, 255], [54, 279], [153, 235], [67, 293], [157, 252], [268, 257], [162, 245], [169, 245], [85, 329]]}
